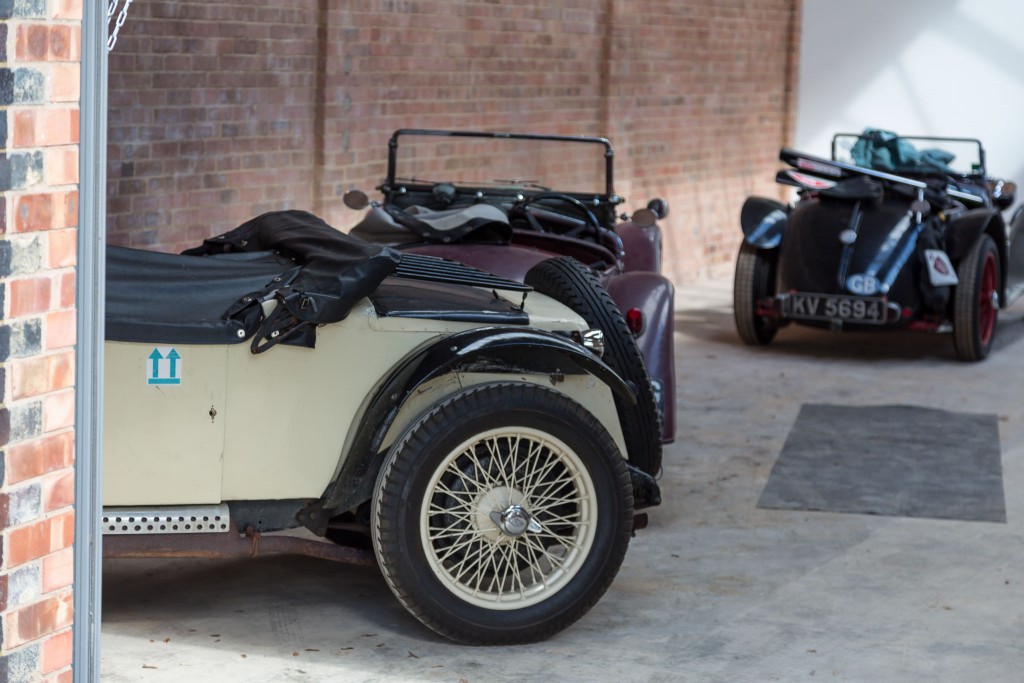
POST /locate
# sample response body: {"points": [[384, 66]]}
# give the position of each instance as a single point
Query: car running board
{"points": [[205, 531]]}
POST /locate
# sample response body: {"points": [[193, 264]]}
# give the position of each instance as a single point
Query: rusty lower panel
{"points": [[230, 545]]}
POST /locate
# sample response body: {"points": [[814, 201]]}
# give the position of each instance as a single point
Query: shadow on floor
{"points": [[716, 325]]}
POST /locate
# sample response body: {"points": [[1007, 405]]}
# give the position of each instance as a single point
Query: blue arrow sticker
{"points": [[165, 366]]}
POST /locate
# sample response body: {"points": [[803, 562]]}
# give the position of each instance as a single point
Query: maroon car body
{"points": [[447, 171]]}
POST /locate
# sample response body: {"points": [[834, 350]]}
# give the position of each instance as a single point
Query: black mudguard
{"points": [[1014, 280], [763, 222], [488, 349], [965, 229]]}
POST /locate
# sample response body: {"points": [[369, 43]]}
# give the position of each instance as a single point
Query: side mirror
{"points": [[1004, 192], [644, 218], [355, 199], [659, 206]]}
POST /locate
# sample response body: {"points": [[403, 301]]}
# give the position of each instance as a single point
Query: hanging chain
{"points": [[111, 9]]}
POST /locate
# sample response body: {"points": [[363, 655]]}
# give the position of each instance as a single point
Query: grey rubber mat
{"points": [[901, 461]]}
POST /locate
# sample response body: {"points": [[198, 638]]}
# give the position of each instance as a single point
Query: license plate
{"points": [[855, 309]]}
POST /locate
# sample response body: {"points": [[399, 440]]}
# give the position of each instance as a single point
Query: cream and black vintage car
{"points": [[287, 388]]}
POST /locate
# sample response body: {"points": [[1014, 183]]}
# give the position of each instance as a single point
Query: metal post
{"points": [[89, 303]]}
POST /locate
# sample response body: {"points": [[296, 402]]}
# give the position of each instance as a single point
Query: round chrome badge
{"points": [[847, 237]]}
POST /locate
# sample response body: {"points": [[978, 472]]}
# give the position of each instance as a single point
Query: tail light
{"points": [[635, 321]]}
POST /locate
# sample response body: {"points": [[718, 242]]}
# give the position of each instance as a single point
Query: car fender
{"points": [[654, 296], [1014, 280], [1018, 216], [490, 349], [642, 247], [962, 231], [763, 222]]}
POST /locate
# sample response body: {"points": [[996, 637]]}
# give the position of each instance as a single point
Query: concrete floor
{"points": [[714, 590]]}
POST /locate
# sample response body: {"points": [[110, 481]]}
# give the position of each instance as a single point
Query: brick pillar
{"points": [[40, 42]]}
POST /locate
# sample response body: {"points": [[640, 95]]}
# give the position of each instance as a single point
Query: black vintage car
{"points": [[892, 232]]}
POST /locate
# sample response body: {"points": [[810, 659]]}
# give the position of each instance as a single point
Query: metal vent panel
{"points": [[437, 269], [189, 519]]}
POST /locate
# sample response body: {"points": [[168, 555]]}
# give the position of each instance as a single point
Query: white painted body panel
{"points": [[275, 425], [162, 438]]}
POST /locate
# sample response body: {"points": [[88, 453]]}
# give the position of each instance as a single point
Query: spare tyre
{"points": [[573, 284]]}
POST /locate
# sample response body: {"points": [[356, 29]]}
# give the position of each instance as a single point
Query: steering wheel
{"points": [[591, 223]]}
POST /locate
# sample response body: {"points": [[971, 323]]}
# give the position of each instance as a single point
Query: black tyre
{"points": [[570, 282], [502, 515], [754, 281], [976, 301]]}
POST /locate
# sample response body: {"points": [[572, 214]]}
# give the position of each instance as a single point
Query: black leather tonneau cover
{"points": [[155, 297], [211, 294]]}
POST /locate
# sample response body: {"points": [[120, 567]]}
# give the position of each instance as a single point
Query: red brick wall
{"points": [[522, 66], [219, 111], [699, 105], [210, 118], [39, 92]]}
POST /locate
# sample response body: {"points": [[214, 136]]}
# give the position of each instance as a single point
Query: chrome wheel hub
{"points": [[515, 521]]}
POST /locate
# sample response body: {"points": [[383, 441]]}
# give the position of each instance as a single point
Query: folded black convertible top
{"points": [[211, 294], [156, 297]]}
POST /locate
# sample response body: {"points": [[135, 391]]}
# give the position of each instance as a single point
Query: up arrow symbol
{"points": [[156, 358], [173, 357]]}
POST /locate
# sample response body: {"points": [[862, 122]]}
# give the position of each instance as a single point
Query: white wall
{"points": [[917, 67]]}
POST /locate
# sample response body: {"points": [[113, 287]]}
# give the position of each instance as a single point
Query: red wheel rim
{"points": [[987, 310]]}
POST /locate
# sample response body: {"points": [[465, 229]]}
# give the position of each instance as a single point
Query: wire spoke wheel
{"points": [[508, 518], [502, 515]]}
